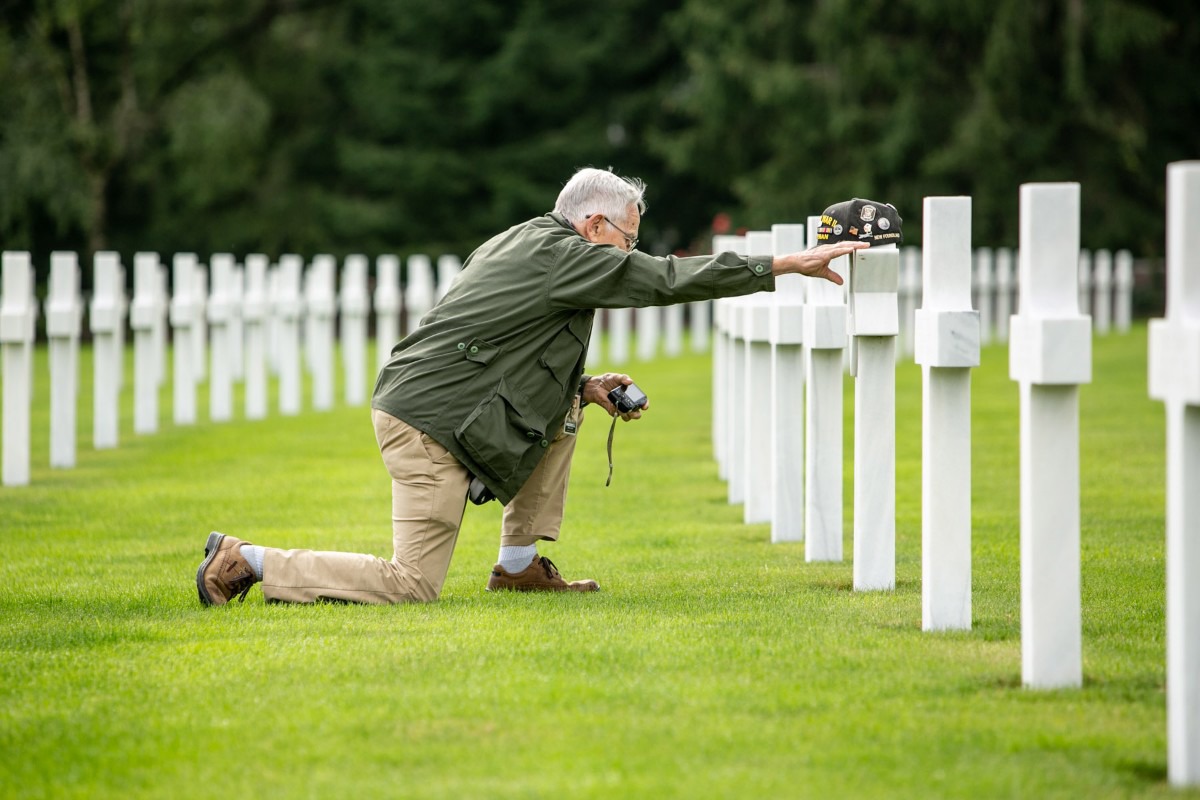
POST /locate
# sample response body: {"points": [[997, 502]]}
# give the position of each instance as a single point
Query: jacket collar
{"points": [[561, 220]]}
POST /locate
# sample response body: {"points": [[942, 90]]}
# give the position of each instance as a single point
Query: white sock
{"points": [[254, 555], [516, 559]]}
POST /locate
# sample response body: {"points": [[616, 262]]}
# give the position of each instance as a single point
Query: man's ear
{"points": [[591, 227]]}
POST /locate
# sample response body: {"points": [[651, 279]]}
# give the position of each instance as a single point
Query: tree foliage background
{"points": [[403, 126]]}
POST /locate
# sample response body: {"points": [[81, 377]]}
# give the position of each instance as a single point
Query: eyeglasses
{"points": [[630, 241]]}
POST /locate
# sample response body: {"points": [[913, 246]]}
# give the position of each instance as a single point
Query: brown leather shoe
{"points": [[539, 576], [223, 573]]}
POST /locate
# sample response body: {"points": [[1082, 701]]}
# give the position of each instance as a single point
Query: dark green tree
{"points": [[140, 124], [798, 105], [462, 118]]}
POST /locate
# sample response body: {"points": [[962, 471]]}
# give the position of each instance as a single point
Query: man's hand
{"points": [[814, 262], [597, 388]]}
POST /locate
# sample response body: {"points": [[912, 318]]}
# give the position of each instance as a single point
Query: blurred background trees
{"points": [[401, 126]]}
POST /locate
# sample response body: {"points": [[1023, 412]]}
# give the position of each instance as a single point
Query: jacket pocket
{"points": [[500, 431], [565, 349]]}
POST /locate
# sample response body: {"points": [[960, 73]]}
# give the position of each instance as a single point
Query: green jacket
{"points": [[492, 369]]}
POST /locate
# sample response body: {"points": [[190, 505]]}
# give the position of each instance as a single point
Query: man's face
{"points": [[622, 233]]}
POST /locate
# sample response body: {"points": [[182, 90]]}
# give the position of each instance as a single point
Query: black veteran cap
{"points": [[860, 220]]}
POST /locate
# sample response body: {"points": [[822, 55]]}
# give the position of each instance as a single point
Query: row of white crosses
{"points": [[946, 341], [1049, 356], [657, 329], [753, 367], [770, 350], [993, 287], [1105, 282], [1105, 291], [248, 323]]}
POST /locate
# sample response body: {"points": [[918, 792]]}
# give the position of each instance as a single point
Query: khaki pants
{"points": [[429, 494]]}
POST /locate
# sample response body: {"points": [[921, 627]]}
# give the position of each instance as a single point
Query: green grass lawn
{"points": [[712, 664]]}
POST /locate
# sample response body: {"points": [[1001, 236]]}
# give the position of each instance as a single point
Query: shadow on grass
{"points": [[1139, 687], [1129, 689], [996, 630], [834, 586], [1148, 771], [1006, 681], [903, 586]]}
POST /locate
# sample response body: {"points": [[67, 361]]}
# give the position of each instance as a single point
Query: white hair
{"points": [[599, 191]]}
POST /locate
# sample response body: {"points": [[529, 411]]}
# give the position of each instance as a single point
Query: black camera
{"points": [[627, 398], [478, 493]]}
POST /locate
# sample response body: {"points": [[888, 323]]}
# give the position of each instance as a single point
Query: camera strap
{"points": [[611, 430]]}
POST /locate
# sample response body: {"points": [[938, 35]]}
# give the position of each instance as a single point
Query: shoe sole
{"points": [[528, 588], [210, 552]]}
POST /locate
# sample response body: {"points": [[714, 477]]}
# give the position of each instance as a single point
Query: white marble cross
{"points": [[648, 322], [162, 325], [145, 315], [1175, 379], [448, 267], [619, 324], [752, 407], [1085, 281], [1123, 283], [237, 324], [824, 343], [672, 319], [220, 325], [185, 316], [254, 320], [1004, 291], [200, 327], [910, 299], [320, 308], [107, 321], [288, 307], [722, 359], [1050, 354], [355, 307], [948, 343], [786, 335], [64, 318], [700, 325], [17, 319], [720, 365], [418, 290], [985, 289], [735, 377], [273, 321], [307, 320], [388, 304], [595, 353], [873, 322], [1102, 280]]}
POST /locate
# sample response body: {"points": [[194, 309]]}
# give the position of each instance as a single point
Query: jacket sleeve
{"points": [[586, 275]]}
